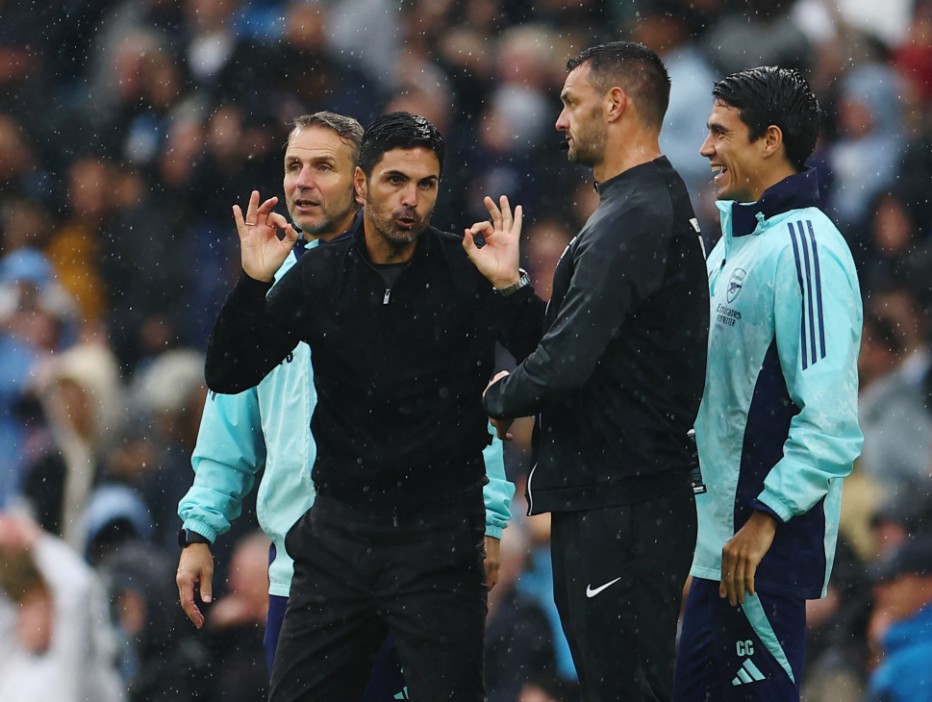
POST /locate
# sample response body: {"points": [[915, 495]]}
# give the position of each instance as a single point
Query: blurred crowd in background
{"points": [[128, 129]]}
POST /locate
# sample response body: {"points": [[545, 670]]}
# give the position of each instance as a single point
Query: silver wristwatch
{"points": [[523, 281]]}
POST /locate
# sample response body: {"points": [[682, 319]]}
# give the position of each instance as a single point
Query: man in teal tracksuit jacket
{"points": [[267, 425], [777, 429]]}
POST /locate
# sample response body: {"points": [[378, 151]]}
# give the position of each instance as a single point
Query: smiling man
{"points": [[403, 330], [777, 429]]}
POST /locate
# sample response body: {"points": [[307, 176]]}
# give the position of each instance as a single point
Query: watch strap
{"points": [[523, 281], [186, 537]]}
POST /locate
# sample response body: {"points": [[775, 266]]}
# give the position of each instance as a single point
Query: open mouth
{"points": [[305, 204], [405, 218]]}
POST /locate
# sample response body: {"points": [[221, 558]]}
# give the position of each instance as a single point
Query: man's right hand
{"points": [[261, 251], [502, 426], [741, 555], [195, 567]]}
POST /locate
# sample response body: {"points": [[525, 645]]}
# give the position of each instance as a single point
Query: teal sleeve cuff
{"points": [[200, 528], [494, 532]]}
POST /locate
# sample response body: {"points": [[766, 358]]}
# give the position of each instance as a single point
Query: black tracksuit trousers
{"points": [[618, 584], [359, 577]]}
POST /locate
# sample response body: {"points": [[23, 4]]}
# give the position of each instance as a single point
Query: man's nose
{"points": [[561, 123], [409, 195], [306, 177]]}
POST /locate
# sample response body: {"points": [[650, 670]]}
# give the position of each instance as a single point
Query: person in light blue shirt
{"points": [[777, 429], [268, 425], [903, 598]]}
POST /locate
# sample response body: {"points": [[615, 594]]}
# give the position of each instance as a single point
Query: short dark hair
{"points": [[770, 95], [633, 67], [398, 130], [347, 128]]}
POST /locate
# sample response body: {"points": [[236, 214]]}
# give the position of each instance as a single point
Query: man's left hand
{"points": [[742, 554], [497, 259], [493, 560]]}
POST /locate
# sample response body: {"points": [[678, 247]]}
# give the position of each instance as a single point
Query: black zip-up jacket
{"points": [[399, 372], [617, 378]]}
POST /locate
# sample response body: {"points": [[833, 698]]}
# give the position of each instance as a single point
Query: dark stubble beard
{"points": [[398, 240], [588, 149]]}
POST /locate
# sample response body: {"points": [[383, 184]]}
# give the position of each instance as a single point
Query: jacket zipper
{"points": [[387, 295], [715, 275]]}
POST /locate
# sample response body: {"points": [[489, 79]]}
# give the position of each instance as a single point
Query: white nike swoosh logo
{"points": [[590, 592]]}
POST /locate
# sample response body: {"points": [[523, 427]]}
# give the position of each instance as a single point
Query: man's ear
{"points": [[616, 102], [360, 184], [772, 141]]}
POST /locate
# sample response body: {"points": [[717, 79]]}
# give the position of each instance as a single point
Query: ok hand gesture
{"points": [[261, 251], [497, 260]]}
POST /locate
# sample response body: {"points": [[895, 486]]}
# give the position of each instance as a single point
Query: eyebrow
{"points": [[330, 158], [401, 174]]}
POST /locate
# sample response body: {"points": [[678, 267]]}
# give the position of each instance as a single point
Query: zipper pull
{"points": [[387, 296], [713, 276]]}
